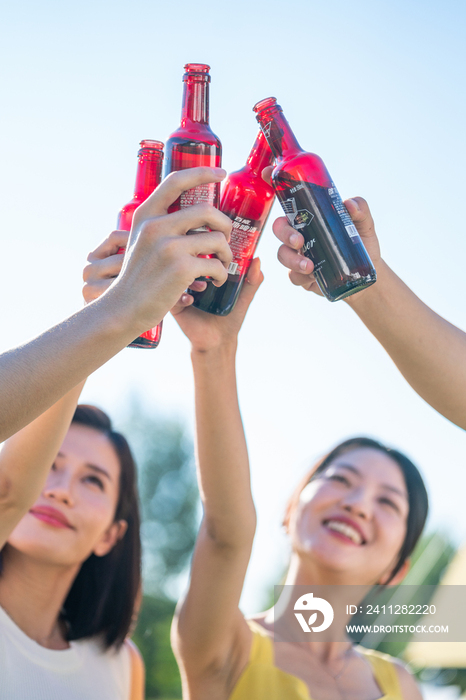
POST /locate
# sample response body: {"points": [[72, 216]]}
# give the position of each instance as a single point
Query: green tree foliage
{"points": [[428, 563], [168, 494], [152, 636], [170, 517]]}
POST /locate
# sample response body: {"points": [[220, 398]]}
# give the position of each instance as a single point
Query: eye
{"points": [[390, 503], [92, 479], [339, 477]]}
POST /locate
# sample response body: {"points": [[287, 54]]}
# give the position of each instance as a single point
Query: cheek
{"points": [[97, 514], [314, 499], [394, 533]]}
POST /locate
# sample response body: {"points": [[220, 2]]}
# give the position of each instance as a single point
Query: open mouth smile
{"points": [[346, 529]]}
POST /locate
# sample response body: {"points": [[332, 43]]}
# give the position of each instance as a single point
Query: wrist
{"points": [[374, 292], [122, 314], [223, 352], [111, 318]]}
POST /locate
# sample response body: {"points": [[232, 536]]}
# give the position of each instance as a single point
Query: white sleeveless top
{"points": [[29, 671]]}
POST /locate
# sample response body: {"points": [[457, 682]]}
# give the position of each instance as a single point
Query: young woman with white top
{"points": [[70, 571]]}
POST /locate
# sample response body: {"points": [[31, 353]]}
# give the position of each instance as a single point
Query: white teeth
{"points": [[345, 529]]}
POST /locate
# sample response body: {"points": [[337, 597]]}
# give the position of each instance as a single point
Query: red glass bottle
{"points": [[194, 144], [247, 199], [313, 207], [148, 177]]}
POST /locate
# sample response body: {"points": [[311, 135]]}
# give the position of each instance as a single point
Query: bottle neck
{"points": [[149, 173], [195, 106], [278, 133], [261, 156]]}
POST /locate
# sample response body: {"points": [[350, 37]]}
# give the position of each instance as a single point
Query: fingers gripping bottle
{"points": [[148, 177], [313, 207], [194, 144], [247, 199]]}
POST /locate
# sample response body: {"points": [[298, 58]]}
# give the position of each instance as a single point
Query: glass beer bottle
{"points": [[313, 207], [247, 199], [194, 144], [148, 177]]}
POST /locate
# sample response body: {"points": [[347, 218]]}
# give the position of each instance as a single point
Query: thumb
{"points": [[359, 211], [267, 174], [183, 302]]}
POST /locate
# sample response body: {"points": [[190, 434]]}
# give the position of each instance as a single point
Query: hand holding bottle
{"points": [[301, 268], [428, 350], [160, 260], [209, 332]]}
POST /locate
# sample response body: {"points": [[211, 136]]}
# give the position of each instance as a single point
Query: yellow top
{"points": [[262, 680]]}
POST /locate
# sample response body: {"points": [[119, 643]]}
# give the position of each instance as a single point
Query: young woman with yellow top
{"points": [[354, 520]]}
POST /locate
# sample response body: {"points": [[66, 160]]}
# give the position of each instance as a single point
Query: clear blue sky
{"points": [[375, 88]]}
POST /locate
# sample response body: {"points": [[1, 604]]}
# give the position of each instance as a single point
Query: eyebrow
{"points": [[94, 467], [350, 468]]}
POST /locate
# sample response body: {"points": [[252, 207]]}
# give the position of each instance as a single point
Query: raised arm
{"points": [[210, 636], [160, 263], [26, 458], [428, 350]]}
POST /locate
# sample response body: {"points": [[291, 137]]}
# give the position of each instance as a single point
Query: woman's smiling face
{"points": [[74, 515], [351, 518]]}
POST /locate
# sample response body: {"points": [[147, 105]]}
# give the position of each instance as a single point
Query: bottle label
{"points": [[310, 209], [342, 211], [243, 240], [202, 194], [296, 206]]}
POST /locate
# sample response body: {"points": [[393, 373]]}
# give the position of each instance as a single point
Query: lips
{"points": [[51, 516], [347, 528]]}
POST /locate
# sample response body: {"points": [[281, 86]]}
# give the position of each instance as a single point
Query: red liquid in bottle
{"points": [[314, 207], [247, 199], [148, 177], [194, 144]]}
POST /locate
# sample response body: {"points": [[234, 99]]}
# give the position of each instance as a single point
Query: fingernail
{"points": [[219, 171], [303, 265], [356, 204], [184, 298], [294, 239]]}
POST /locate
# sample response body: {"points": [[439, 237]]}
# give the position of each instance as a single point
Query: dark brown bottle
{"points": [[314, 207]]}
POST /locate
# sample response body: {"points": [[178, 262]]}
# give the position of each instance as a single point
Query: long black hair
{"points": [[104, 595], [417, 495]]}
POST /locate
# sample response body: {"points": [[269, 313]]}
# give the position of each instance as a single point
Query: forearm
{"points": [[223, 464], [26, 457], [37, 374], [428, 351]]}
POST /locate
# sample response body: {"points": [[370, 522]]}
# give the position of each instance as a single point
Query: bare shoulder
{"points": [[137, 682], [409, 687]]}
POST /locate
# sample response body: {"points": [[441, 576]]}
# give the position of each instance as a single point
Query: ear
{"points": [[398, 576], [109, 539]]}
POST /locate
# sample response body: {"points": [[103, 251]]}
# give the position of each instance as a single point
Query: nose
{"points": [[58, 487], [358, 501]]}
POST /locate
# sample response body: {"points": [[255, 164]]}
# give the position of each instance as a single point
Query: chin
{"points": [[331, 558], [43, 551]]}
